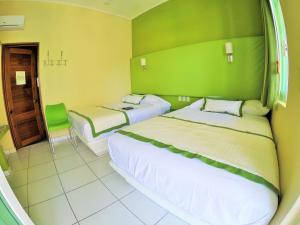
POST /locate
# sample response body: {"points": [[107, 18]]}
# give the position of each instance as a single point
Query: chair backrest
{"points": [[56, 114]]}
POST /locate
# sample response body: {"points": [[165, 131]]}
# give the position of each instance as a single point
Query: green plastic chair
{"points": [[57, 119]]}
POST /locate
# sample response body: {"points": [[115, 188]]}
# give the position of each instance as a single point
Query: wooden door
{"points": [[22, 96]]}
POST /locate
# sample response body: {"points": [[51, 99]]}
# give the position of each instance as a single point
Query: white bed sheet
{"points": [[211, 195], [139, 113]]}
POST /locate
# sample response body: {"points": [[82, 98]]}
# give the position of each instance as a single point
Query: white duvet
{"points": [[139, 113], [212, 195]]}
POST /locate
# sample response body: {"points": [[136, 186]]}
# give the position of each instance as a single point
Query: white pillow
{"points": [[153, 99], [223, 106], [133, 99], [197, 104], [255, 107]]}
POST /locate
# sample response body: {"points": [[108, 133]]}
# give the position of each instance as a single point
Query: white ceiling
{"points": [[124, 8]]}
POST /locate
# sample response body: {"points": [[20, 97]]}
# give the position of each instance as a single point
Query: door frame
{"points": [[31, 44]]}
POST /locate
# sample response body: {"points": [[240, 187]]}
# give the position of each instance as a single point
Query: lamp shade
{"points": [[228, 48]]}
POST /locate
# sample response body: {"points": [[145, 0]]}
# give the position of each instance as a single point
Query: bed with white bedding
{"points": [[113, 113], [203, 185]]}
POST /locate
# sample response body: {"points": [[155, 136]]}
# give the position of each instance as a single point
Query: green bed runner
{"points": [[90, 121], [223, 127], [132, 133]]}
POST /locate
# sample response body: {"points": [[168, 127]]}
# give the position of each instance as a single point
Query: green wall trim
{"points": [[202, 69], [221, 127]]}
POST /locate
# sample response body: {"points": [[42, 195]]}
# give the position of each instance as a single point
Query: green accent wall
{"points": [[203, 70], [184, 22], [183, 43]]}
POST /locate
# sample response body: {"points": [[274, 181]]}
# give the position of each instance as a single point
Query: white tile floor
{"points": [[77, 187]]}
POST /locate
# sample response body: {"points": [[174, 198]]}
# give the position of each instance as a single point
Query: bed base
{"points": [[175, 210], [99, 147]]}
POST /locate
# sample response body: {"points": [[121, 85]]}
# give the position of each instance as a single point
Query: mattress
{"points": [[209, 194], [139, 113]]}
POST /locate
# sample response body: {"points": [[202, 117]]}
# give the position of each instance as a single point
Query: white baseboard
{"points": [[9, 151], [7, 172]]}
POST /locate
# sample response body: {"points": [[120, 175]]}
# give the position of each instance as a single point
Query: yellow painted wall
{"points": [[286, 122], [96, 45]]}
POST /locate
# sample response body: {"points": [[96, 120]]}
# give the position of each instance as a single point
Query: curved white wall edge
{"points": [[12, 201], [293, 216]]}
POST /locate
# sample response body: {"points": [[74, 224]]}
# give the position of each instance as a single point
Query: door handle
{"points": [[10, 112]]}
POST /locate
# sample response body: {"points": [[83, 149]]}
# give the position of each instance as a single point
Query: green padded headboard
{"points": [[202, 69]]}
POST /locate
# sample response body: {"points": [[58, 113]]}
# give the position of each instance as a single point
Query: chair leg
{"points": [[72, 139], [51, 144]]}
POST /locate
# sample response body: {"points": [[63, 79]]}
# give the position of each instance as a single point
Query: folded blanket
{"points": [[250, 155], [103, 119]]}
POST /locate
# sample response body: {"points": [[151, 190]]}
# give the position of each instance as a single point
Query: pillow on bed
{"points": [[255, 108], [133, 99], [153, 99], [199, 104], [223, 106]]}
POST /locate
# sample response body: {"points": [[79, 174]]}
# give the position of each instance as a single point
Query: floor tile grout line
{"points": [[78, 221], [30, 167], [94, 213], [98, 178], [44, 178], [106, 175], [115, 195], [66, 194], [87, 162], [52, 158], [78, 152], [56, 174], [162, 218], [46, 200], [120, 199], [132, 212], [16, 187], [107, 187], [81, 186], [35, 165], [93, 181], [16, 160], [40, 179], [129, 193], [15, 171]]}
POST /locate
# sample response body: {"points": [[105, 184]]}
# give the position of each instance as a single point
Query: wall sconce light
{"points": [[229, 51], [143, 63]]}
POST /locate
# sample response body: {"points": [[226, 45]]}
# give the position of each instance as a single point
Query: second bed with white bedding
{"points": [[98, 144], [208, 194]]}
